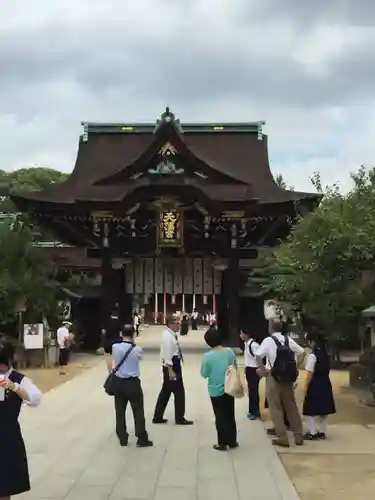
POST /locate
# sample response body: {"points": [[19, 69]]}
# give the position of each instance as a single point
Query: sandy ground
{"points": [[49, 378], [343, 466]]}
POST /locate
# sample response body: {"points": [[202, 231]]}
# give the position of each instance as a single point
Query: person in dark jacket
{"points": [[112, 332], [15, 388], [319, 401], [184, 326]]}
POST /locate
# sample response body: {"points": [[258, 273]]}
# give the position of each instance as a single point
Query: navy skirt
{"points": [[319, 399], [14, 471]]}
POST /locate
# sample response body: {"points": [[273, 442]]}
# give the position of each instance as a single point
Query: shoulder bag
{"points": [[233, 385], [109, 384]]}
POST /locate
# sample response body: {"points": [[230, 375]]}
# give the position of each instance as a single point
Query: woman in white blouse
{"points": [[15, 389]]}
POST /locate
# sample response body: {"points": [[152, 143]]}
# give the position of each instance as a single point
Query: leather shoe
{"points": [[184, 422], [159, 420]]}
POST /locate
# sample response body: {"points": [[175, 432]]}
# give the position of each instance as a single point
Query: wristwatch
{"points": [[16, 387]]}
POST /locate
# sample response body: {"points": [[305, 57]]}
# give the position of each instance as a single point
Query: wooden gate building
{"points": [[176, 213]]}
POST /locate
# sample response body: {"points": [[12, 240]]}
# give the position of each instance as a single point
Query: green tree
{"points": [[26, 179], [24, 274], [281, 182], [320, 267]]}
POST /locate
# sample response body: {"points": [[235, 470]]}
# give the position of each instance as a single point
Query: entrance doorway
{"points": [[159, 305]]}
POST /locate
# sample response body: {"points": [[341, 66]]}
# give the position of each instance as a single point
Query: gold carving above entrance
{"points": [[170, 229], [168, 149]]}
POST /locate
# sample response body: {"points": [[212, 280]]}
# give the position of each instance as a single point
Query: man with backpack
{"points": [[283, 356]]}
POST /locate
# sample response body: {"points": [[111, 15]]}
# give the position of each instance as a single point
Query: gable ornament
{"points": [[166, 167]]}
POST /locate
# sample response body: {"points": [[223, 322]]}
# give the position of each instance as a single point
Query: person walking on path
{"points": [[136, 321], [15, 389], [184, 327], [319, 401], [171, 359], [251, 372], [128, 389], [64, 343], [194, 320], [214, 367], [281, 352]]}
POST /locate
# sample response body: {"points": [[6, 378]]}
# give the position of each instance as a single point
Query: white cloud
{"points": [[304, 67]]}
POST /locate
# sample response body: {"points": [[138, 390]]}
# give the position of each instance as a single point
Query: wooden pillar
{"points": [[156, 311], [164, 308], [233, 302], [106, 289], [233, 292]]}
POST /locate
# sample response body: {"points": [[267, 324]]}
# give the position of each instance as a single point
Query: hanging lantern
{"points": [[205, 300], [145, 300], [173, 299]]}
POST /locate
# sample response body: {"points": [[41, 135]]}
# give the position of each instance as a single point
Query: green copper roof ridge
{"points": [[183, 124]]}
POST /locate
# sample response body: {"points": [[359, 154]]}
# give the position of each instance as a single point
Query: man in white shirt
{"points": [[194, 320], [136, 322], [171, 359], [252, 377], [280, 394], [63, 341]]}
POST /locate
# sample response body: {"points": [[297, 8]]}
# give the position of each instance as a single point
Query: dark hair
{"points": [[6, 352], [318, 338], [171, 320], [128, 330], [213, 337]]}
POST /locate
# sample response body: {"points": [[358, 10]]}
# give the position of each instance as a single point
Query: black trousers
{"points": [[194, 324], [64, 355], [225, 420], [175, 387], [129, 390], [137, 330], [253, 386]]}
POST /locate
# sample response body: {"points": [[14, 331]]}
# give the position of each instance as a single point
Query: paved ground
{"points": [[74, 454]]}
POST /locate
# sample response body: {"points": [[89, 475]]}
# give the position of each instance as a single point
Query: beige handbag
{"points": [[233, 384]]}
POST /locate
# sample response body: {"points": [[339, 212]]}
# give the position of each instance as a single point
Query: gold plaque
{"points": [[170, 230]]}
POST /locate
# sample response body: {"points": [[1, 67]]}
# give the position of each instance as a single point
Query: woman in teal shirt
{"points": [[214, 366]]}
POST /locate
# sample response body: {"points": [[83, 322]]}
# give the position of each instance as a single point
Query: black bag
{"points": [[109, 384], [284, 369]]}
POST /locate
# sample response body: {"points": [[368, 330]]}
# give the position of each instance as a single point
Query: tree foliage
{"points": [[320, 267], [26, 179], [281, 182], [24, 273]]}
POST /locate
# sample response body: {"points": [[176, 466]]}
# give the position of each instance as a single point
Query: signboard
{"points": [[33, 336]]}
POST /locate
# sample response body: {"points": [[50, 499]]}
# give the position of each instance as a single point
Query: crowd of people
{"points": [[277, 358]]}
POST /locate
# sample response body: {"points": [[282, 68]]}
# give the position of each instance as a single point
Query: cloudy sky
{"points": [[305, 67]]}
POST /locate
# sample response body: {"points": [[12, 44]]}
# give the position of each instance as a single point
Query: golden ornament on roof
{"points": [[167, 149]]}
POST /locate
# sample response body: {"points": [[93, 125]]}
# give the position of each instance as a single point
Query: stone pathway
{"points": [[74, 454]]}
